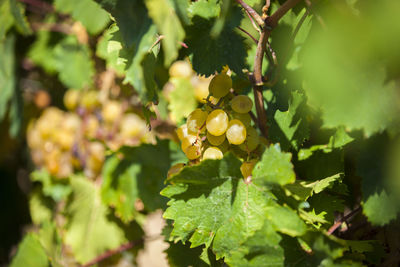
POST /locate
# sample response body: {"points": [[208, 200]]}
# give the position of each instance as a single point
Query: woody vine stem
{"points": [[266, 24]]}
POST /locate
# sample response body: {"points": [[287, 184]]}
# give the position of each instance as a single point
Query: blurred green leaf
{"points": [[164, 16], [182, 100], [204, 9], [6, 19], [18, 12], [40, 208], [30, 253], [56, 189], [87, 12]]}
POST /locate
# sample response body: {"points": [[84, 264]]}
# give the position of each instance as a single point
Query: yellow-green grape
{"points": [[91, 126], [236, 132], [200, 85], [71, 99], [217, 122], [224, 147], [241, 104], [195, 121], [215, 140], [193, 151], [95, 160], [182, 132], [187, 141], [64, 139], [111, 111], [132, 126], [247, 167], [252, 140], [175, 169], [71, 123], [245, 118], [90, 99], [213, 153], [180, 68], [220, 85]]}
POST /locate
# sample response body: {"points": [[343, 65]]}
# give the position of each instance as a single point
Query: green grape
{"points": [[188, 141], [71, 99], [236, 132], [132, 126], [241, 104], [247, 167], [217, 122], [213, 153], [181, 69], [92, 126], [224, 147], [245, 118], [220, 85], [193, 150], [111, 111], [200, 85], [252, 140], [215, 140], [182, 132], [195, 121], [90, 99]]}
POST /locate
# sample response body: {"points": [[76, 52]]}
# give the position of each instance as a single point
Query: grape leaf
{"points": [[210, 54], [30, 253], [274, 167], [6, 19], [179, 255], [40, 208], [211, 204], [56, 189], [164, 16], [204, 9], [17, 10], [87, 12], [290, 128], [138, 175], [89, 230], [182, 99]]}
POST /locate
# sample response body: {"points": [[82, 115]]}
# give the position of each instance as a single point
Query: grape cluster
{"points": [[65, 142], [221, 125]]}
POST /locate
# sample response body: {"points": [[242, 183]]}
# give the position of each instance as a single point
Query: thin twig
{"points": [[336, 225], [300, 23], [253, 23], [252, 12], [248, 34]]}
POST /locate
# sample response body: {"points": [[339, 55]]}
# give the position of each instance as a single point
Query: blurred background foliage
{"points": [[83, 81]]}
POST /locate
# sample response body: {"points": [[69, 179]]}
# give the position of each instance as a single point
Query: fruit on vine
{"points": [[193, 150], [217, 122], [236, 132], [195, 121], [245, 118], [220, 85], [181, 69], [71, 99], [212, 153], [215, 140], [111, 111], [182, 131], [241, 104], [252, 140]]}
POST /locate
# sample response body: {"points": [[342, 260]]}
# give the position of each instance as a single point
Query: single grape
{"points": [[220, 85], [181, 69], [217, 122], [71, 99], [111, 111], [224, 147], [200, 85], [91, 126], [213, 153], [195, 121], [252, 140], [241, 104], [90, 99], [193, 150], [236, 132], [188, 141], [182, 132], [247, 167], [215, 140], [132, 126], [245, 118]]}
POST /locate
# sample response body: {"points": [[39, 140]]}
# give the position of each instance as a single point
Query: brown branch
{"points": [[253, 23], [112, 252], [270, 23], [336, 225], [247, 33], [252, 12]]}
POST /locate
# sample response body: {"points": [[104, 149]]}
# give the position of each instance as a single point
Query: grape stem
{"points": [[267, 24]]}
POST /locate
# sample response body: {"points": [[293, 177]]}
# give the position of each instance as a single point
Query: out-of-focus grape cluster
{"points": [[223, 122], [77, 140]]}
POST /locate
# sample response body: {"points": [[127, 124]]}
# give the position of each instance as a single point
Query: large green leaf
{"points": [[87, 12], [139, 175], [211, 204], [164, 16], [290, 128], [181, 99], [89, 230], [30, 253]]}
